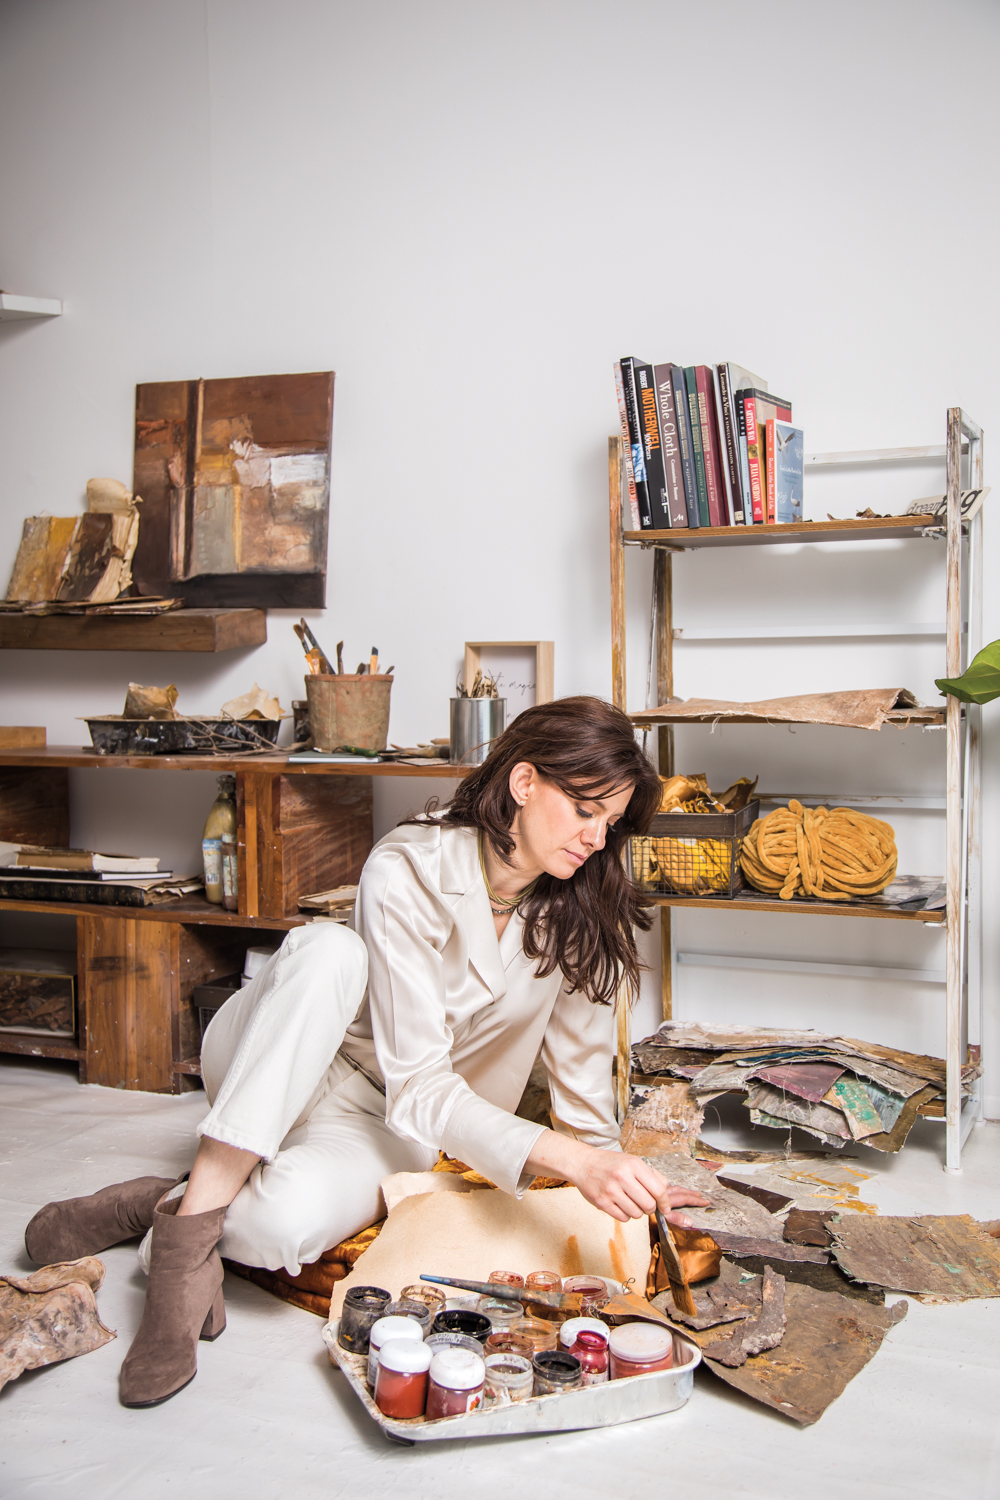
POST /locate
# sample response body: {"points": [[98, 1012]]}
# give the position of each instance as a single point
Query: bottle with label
{"points": [[220, 824]]}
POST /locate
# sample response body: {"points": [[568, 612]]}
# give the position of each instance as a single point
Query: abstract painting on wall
{"points": [[235, 483]]}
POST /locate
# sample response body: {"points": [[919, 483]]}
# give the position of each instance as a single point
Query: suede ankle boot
{"points": [[86, 1226], [183, 1303]]}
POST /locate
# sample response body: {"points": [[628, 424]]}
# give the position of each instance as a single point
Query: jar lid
{"points": [[457, 1369], [572, 1326], [405, 1356], [640, 1341], [394, 1327]]}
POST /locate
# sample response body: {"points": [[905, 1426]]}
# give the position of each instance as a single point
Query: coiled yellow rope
{"points": [[832, 855]]}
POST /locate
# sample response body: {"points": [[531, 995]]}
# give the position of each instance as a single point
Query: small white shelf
{"points": [[14, 307]]}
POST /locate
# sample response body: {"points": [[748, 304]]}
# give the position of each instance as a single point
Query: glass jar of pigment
{"points": [[573, 1326], [501, 1314], [439, 1341], [418, 1311], [430, 1296], [456, 1384], [593, 1286], [509, 1378], [509, 1343], [639, 1349], [540, 1334], [543, 1281], [402, 1378], [384, 1330], [506, 1278], [460, 1320], [363, 1306], [555, 1372], [591, 1349]]}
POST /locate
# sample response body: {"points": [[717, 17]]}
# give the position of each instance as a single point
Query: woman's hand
{"points": [[623, 1186]]}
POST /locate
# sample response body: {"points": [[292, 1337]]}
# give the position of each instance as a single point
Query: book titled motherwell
{"points": [[649, 431]]}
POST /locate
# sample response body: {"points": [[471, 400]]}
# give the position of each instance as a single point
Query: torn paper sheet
{"points": [[257, 704], [948, 1255], [858, 708], [50, 1316], [472, 1234]]}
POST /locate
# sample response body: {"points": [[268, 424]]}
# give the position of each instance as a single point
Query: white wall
{"points": [[469, 211]]}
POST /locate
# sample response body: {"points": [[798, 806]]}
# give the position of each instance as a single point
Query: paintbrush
{"points": [[315, 658], [314, 643], [505, 1293], [340, 658], [373, 661]]}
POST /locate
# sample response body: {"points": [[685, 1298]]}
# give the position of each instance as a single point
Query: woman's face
{"points": [[557, 833]]}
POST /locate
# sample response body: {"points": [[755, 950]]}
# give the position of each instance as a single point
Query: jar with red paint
{"points": [[456, 1383], [402, 1378], [591, 1349], [639, 1349]]}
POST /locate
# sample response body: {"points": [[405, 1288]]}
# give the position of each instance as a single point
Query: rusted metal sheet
{"points": [[765, 1329], [949, 1256], [808, 1080], [828, 1340]]}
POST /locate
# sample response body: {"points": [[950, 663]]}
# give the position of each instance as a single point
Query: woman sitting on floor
{"points": [[497, 928]]}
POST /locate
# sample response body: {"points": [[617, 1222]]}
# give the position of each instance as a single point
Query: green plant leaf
{"points": [[980, 682]]}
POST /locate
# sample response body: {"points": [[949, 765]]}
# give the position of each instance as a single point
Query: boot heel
{"points": [[215, 1323]]}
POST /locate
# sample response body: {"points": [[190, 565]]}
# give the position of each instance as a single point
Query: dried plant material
{"points": [[765, 1329], [257, 704], [949, 1256], [484, 685], [828, 1339], [50, 1316], [149, 702], [859, 708], [41, 559], [665, 1117], [838, 855], [693, 794]]}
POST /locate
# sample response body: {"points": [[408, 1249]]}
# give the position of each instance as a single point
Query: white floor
{"points": [[268, 1417]]}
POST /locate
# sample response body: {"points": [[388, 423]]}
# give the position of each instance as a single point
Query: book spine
{"points": [[732, 446], [691, 382], [673, 474], [652, 448], [686, 442], [633, 502], [92, 893], [717, 515], [744, 463], [753, 458], [772, 514], [720, 444], [635, 444]]}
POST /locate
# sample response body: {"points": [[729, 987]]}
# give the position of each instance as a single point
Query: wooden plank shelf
{"points": [[194, 909], [899, 717], [81, 758], [34, 1044], [800, 908], [884, 529], [178, 630]]}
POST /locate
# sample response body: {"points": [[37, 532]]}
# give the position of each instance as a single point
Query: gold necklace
{"points": [[498, 907]]}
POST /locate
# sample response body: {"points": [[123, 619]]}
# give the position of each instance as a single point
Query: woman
{"points": [[499, 928]]}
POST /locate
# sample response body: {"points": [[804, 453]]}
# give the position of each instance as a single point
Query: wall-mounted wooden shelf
{"points": [[884, 529], [80, 758], [900, 717], [179, 630], [15, 308], [798, 908]]}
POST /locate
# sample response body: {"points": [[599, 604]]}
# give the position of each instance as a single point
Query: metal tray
{"points": [[594, 1406], [112, 734]]}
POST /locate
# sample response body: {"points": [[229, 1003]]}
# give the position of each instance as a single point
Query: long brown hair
{"points": [[583, 925]]}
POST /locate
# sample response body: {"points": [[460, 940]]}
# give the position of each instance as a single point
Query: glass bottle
{"points": [[221, 821], [509, 1378], [556, 1372]]}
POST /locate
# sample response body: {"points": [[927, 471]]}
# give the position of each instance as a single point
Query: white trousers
{"points": [[277, 1087]]}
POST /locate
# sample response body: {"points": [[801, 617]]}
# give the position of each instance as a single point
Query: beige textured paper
{"points": [[472, 1234]]}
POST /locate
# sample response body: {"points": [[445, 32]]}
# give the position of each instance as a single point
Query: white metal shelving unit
{"points": [[962, 801]]}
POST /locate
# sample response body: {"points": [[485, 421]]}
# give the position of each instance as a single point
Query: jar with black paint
{"points": [[363, 1306]]}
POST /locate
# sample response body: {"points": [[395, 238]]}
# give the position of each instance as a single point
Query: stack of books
{"points": [[706, 445], [31, 873]]}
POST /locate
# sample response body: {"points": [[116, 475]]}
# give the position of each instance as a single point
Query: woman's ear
{"points": [[522, 781]]}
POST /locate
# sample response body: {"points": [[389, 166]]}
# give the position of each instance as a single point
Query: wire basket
{"points": [[693, 854]]}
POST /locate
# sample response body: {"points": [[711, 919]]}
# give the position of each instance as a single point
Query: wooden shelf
{"points": [[80, 758], [178, 630], [900, 717], [34, 1044], [14, 308], [887, 528], [194, 909], [800, 908]]}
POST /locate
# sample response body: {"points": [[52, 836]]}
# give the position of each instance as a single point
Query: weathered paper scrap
{"points": [[50, 1316]]}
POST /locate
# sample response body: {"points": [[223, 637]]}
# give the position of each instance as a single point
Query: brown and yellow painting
{"points": [[235, 482]]}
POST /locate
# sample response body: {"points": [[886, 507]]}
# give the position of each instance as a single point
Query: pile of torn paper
{"points": [[79, 559], [837, 1088]]}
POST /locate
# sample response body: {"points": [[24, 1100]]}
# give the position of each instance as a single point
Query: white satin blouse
{"points": [[453, 1019]]}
